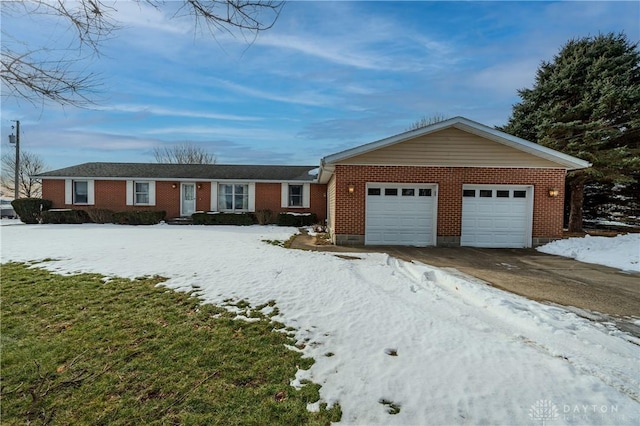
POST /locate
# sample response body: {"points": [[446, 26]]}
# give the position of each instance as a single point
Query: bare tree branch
{"points": [[185, 153], [427, 121], [26, 75], [30, 165]]}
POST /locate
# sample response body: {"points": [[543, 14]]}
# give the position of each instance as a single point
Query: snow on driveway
{"points": [[444, 347]]}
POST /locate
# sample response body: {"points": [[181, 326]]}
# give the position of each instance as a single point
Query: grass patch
{"points": [[392, 407], [82, 350]]}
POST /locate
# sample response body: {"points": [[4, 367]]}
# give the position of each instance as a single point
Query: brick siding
{"points": [[350, 208], [111, 194]]}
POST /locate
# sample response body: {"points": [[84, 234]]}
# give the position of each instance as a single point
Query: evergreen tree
{"points": [[586, 103]]}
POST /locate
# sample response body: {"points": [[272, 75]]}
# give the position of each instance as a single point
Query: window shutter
{"points": [[91, 199], [252, 197], [214, 197], [284, 201], [152, 193], [68, 191], [129, 193], [306, 195]]}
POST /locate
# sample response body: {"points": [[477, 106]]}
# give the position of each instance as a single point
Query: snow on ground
{"points": [[444, 347], [622, 251]]}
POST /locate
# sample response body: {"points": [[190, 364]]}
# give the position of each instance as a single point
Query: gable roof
{"points": [[562, 160], [184, 171]]}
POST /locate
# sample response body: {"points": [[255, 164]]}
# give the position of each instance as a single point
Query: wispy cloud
{"points": [[174, 112], [308, 97]]}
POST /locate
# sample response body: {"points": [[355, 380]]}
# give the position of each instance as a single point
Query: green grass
{"points": [[84, 350]]}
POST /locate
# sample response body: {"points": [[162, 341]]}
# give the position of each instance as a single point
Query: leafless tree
{"points": [[427, 121], [30, 165], [185, 153], [41, 74]]}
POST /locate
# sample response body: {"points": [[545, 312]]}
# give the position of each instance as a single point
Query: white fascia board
{"points": [[326, 171], [470, 126], [174, 179]]}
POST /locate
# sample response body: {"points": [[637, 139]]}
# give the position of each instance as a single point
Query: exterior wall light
{"points": [[553, 192], [174, 186], [351, 189], [199, 186]]}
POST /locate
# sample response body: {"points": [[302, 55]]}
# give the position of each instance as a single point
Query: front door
{"points": [[188, 204]]}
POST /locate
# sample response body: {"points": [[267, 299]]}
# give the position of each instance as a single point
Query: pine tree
{"points": [[586, 103]]}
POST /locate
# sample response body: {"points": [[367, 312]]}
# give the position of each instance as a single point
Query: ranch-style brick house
{"points": [[456, 182]]}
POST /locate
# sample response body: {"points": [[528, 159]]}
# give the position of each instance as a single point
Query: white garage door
{"points": [[496, 216], [400, 214]]}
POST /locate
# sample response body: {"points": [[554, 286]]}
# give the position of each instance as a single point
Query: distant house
{"points": [[456, 182]]}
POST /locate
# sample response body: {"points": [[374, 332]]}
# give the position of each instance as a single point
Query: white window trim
{"points": [[131, 196], [251, 197], [284, 195], [68, 192]]}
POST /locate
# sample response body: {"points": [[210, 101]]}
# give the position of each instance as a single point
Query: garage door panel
{"points": [[496, 221], [400, 219]]}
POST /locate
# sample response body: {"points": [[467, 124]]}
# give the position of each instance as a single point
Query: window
{"points": [[295, 195], [408, 192], [424, 192], [486, 193], [391, 191], [519, 194], [80, 192], [374, 191], [233, 197], [468, 192], [141, 195], [502, 194]]}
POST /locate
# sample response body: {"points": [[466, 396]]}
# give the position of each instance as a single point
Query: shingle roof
{"points": [[185, 171]]}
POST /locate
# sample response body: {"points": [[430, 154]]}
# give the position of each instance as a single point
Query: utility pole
{"points": [[15, 139]]}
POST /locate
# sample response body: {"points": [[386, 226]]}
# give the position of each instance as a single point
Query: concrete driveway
{"points": [[529, 273]]}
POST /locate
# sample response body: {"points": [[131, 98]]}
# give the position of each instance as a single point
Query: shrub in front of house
{"points": [[216, 218], [296, 219], [265, 217], [29, 210], [147, 217], [101, 215], [69, 216]]}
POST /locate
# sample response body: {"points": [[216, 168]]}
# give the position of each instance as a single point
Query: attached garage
{"points": [[513, 189], [496, 216], [400, 214]]}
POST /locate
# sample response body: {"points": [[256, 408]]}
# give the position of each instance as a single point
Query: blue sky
{"points": [[328, 76]]}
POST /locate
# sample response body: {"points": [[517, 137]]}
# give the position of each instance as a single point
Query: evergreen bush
{"points": [[29, 210], [297, 219], [144, 217], [65, 216], [222, 219]]}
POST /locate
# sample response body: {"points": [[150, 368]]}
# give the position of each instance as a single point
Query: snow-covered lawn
{"points": [[622, 251], [445, 348]]}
